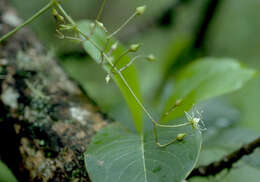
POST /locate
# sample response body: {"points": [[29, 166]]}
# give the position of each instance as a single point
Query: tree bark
{"points": [[46, 119]]}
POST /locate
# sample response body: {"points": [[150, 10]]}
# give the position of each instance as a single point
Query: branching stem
{"points": [[109, 61], [123, 25], [104, 55]]}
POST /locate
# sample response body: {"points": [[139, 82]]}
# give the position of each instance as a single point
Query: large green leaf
{"points": [[204, 79], [117, 155], [5, 174], [99, 37]]}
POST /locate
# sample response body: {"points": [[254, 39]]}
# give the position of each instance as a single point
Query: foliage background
{"points": [[233, 32]]}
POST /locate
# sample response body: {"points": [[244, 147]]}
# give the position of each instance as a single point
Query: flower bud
{"points": [[114, 46], [180, 136], [140, 10], [178, 102], [101, 25], [107, 78], [134, 47], [92, 25], [57, 16], [151, 58]]}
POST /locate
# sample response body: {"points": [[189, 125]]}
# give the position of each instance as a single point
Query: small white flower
{"points": [[107, 78], [195, 119]]}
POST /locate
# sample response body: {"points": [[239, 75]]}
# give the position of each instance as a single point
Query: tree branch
{"points": [[226, 162]]}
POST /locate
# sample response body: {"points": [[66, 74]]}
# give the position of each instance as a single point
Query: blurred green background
{"points": [[233, 31]]}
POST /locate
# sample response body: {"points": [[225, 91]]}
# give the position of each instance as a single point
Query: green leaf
{"points": [[117, 155], [179, 45], [204, 79], [253, 160], [247, 169], [234, 138], [129, 74], [5, 174], [241, 173], [219, 115]]}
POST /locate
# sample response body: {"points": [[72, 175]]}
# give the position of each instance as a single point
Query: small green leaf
{"points": [[204, 79], [117, 155], [129, 74], [5, 174]]}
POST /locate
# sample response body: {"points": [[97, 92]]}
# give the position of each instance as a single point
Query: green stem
{"points": [[98, 16], [131, 62], [65, 14], [119, 58], [120, 74], [36, 15], [101, 9], [123, 25]]}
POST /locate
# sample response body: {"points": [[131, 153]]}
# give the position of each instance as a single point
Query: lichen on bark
{"points": [[47, 118]]}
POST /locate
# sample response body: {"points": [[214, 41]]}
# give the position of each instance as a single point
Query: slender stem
{"points": [[73, 38], [177, 103], [106, 45], [155, 133], [109, 60], [120, 74], [36, 15], [101, 9], [65, 14], [119, 58], [98, 16], [123, 25], [110, 51], [167, 144], [102, 53], [131, 62], [173, 126]]}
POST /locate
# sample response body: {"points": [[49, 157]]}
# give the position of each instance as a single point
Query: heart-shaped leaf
{"points": [[204, 79], [130, 75], [115, 154]]}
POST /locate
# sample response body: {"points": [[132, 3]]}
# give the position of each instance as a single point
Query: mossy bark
{"points": [[46, 119]]}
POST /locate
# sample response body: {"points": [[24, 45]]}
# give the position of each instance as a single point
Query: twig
{"points": [[226, 162]]}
